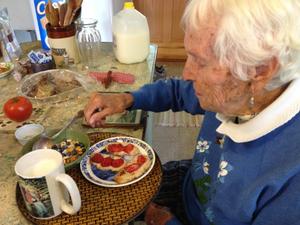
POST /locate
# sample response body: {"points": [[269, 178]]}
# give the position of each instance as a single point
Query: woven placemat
{"points": [[102, 205]]}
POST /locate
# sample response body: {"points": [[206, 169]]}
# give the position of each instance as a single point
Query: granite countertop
{"points": [[53, 115]]}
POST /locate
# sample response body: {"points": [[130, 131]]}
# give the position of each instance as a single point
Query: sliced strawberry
{"points": [[114, 148], [141, 159], [97, 158], [131, 168], [106, 162], [128, 148], [117, 163]]}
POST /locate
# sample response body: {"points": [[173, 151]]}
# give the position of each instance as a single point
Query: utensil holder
{"points": [[62, 43]]}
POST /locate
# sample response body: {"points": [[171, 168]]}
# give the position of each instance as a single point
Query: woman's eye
{"points": [[197, 61], [202, 65]]}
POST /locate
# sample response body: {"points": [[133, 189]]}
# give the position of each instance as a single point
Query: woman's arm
{"points": [[174, 94], [162, 95]]}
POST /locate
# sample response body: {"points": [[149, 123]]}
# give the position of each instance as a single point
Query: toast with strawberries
{"points": [[119, 162]]}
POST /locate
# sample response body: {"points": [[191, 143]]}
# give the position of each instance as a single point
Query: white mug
{"points": [[45, 186]]}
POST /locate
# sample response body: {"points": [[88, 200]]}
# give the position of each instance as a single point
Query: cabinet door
{"points": [[164, 24]]}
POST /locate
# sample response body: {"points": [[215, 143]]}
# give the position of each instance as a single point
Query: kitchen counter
{"points": [[53, 115]]}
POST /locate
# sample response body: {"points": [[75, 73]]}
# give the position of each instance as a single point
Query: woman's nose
{"points": [[188, 71]]}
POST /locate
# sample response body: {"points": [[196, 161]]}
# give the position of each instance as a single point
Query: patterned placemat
{"points": [[101, 205], [37, 116]]}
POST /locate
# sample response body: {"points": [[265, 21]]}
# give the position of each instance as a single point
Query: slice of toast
{"points": [[133, 170]]}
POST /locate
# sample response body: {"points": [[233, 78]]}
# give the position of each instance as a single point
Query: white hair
{"points": [[252, 32]]}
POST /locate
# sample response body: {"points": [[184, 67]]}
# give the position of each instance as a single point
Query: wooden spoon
{"points": [[76, 13], [62, 13], [48, 14], [51, 8], [51, 14], [73, 5], [55, 15]]}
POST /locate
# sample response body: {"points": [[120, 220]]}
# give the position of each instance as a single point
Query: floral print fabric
{"points": [[209, 173]]}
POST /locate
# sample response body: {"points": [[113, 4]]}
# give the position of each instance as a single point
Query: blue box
{"points": [[38, 10]]}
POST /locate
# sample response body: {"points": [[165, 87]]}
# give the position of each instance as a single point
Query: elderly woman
{"points": [[242, 73]]}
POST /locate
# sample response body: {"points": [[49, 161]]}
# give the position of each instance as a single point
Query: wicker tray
{"points": [[102, 205]]}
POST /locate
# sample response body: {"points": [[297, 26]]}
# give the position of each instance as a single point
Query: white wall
{"points": [[102, 10], [20, 14]]}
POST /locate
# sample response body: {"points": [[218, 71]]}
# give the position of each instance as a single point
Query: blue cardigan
{"points": [[256, 182]]}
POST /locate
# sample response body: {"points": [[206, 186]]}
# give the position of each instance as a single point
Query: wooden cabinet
{"points": [[164, 23]]}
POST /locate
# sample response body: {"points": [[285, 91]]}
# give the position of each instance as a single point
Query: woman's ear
{"points": [[264, 73]]}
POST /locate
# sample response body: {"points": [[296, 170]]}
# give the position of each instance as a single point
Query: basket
{"points": [[102, 205]]}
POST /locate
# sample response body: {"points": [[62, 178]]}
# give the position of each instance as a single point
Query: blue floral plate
{"points": [[106, 180]]}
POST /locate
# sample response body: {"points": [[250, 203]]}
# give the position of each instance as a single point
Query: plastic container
{"points": [[27, 132], [63, 44], [131, 36], [7, 36]]}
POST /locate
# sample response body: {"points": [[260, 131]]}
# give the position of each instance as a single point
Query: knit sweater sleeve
{"points": [[174, 94]]}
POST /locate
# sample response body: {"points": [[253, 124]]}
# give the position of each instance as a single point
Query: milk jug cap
{"points": [[128, 5]]}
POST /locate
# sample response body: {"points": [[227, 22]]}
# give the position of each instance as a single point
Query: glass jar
{"points": [[89, 42]]}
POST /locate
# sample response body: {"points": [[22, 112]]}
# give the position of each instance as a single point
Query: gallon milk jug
{"points": [[131, 37]]}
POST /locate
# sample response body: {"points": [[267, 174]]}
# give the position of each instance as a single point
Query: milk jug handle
{"points": [[72, 188]]}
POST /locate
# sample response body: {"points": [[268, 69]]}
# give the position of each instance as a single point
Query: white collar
{"points": [[284, 108]]}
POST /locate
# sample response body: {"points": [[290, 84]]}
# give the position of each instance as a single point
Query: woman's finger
{"points": [[93, 106], [99, 116]]}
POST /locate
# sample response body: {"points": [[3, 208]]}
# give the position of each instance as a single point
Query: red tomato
{"points": [[18, 108]]}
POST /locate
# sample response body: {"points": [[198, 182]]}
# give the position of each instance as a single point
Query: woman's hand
{"points": [[157, 215], [102, 105]]}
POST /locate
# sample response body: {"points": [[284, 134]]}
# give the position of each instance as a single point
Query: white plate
{"points": [[86, 168], [7, 64]]}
